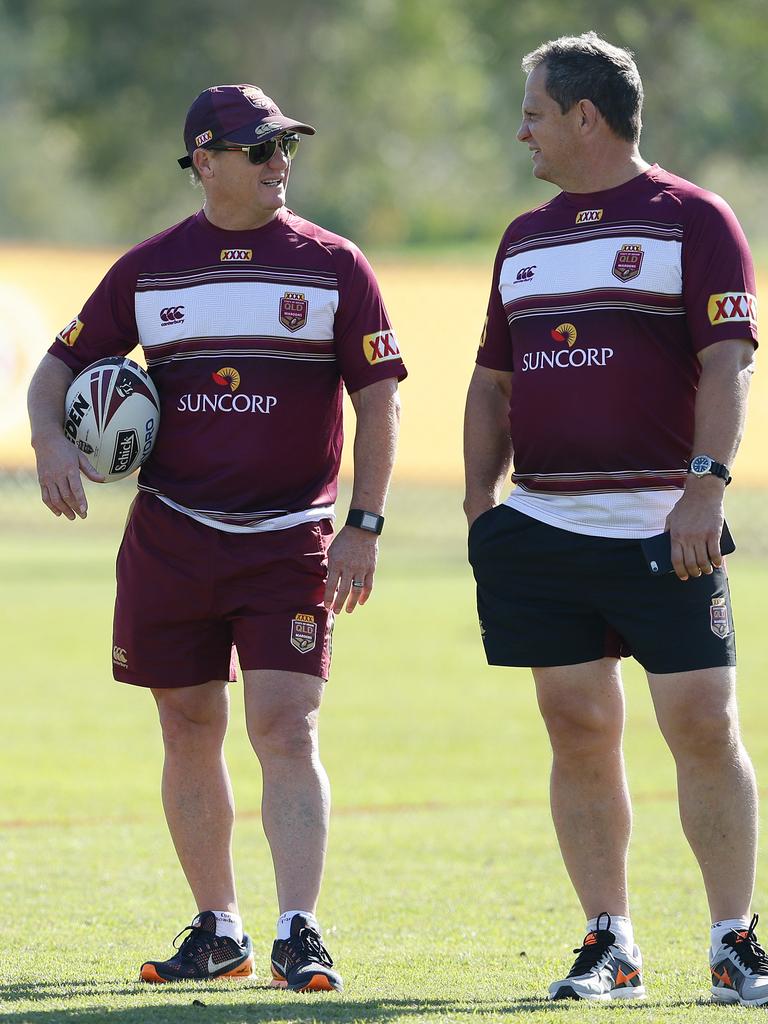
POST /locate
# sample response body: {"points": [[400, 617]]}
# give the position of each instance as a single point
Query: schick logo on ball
{"points": [[126, 450]]}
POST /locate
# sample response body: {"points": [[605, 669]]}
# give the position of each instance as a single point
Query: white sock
{"points": [[284, 922], [621, 928], [227, 924], [720, 928]]}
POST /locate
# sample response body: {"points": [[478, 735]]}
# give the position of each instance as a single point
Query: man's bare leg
{"points": [[197, 794], [583, 709], [716, 785], [282, 711]]}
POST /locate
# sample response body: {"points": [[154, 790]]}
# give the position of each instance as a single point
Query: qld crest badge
{"points": [[293, 311], [303, 632], [628, 262], [718, 617]]}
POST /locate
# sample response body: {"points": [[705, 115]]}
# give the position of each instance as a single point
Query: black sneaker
{"points": [[739, 969], [202, 956], [302, 963], [602, 971]]}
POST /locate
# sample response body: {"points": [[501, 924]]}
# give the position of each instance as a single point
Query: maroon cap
{"points": [[237, 113]]}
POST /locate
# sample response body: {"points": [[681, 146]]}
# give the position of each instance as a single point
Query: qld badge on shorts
{"points": [[718, 617], [303, 633]]}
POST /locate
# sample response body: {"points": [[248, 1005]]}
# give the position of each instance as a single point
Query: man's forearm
{"points": [[721, 400], [487, 445], [45, 399], [377, 408]]}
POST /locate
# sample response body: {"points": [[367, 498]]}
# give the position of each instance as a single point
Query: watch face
{"points": [[701, 465]]}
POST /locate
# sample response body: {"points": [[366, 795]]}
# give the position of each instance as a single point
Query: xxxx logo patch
{"points": [[738, 306], [380, 347]]}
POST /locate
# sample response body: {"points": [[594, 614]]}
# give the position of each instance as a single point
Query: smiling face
{"points": [[551, 135], [239, 193]]}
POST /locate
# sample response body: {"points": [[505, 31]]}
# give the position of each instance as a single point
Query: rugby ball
{"points": [[112, 412]]}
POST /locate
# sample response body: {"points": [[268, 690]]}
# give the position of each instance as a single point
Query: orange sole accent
{"points": [[278, 983], [245, 970], [318, 983], [149, 974]]}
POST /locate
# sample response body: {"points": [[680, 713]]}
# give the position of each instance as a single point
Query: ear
{"points": [[202, 159], [588, 116]]}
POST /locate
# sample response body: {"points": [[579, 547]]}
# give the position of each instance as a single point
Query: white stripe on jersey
{"points": [[235, 309], [283, 522], [645, 229], [239, 353], [585, 266], [630, 515]]}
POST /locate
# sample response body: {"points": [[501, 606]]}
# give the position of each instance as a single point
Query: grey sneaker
{"points": [[602, 970], [740, 969]]}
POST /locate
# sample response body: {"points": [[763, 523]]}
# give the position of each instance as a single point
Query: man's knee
{"points": [[580, 728], [191, 719], [284, 732], [698, 716]]}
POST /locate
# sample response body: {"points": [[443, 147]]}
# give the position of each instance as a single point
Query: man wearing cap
{"points": [[250, 318]]}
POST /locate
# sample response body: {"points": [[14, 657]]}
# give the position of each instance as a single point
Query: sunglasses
{"points": [[261, 152]]}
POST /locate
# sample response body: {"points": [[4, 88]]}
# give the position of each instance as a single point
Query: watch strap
{"points": [[717, 469], [363, 520]]}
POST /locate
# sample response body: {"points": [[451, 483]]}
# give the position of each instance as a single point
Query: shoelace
{"points": [[592, 949], [749, 949], [195, 934], [307, 945]]}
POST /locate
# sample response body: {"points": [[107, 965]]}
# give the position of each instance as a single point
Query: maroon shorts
{"points": [[186, 593]]}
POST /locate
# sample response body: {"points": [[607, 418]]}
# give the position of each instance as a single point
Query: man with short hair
{"points": [[613, 372], [228, 541]]}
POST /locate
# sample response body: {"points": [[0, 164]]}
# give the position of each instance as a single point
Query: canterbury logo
{"points": [[267, 126], [172, 315], [732, 306], [525, 273], [588, 216], [118, 655]]}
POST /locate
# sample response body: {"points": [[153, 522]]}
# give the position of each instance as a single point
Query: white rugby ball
{"points": [[112, 412]]}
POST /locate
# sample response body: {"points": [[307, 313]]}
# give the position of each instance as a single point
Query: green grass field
{"points": [[444, 896]]}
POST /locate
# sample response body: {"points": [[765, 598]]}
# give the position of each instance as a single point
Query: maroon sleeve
{"points": [[366, 346], [106, 326], [718, 275], [495, 351]]}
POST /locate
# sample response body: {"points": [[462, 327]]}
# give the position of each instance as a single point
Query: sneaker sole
{"points": [[568, 992], [731, 997], [317, 983], [150, 974]]}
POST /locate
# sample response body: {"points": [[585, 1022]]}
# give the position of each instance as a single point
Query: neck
{"points": [[235, 217], [607, 170]]}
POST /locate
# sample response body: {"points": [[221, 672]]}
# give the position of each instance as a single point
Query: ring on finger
{"points": [[358, 584]]}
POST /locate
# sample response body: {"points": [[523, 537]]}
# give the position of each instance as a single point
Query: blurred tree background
{"points": [[416, 104]]}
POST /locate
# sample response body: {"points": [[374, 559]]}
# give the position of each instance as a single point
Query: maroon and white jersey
{"points": [[600, 303], [248, 336]]}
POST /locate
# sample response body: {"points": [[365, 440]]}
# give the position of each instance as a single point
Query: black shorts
{"points": [[548, 597]]}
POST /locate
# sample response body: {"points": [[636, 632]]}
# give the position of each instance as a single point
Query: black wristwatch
{"points": [[704, 465], [365, 520]]}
